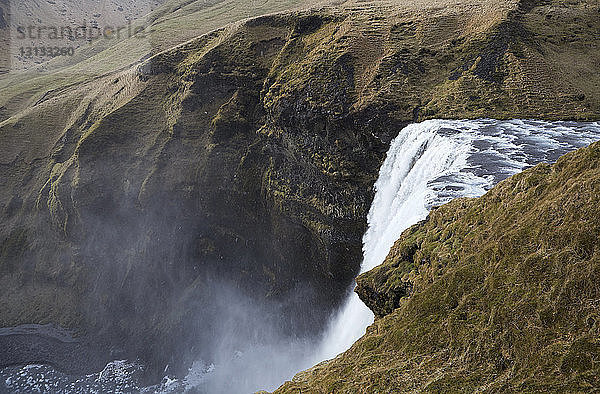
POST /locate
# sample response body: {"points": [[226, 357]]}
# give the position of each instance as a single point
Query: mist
{"points": [[250, 349]]}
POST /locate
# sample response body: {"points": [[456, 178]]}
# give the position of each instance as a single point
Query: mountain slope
{"points": [[169, 24], [498, 293], [244, 159]]}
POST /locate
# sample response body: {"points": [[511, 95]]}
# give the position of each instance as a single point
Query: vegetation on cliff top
{"points": [[498, 293]]}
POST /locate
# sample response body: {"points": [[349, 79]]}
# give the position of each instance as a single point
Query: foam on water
{"points": [[116, 377]]}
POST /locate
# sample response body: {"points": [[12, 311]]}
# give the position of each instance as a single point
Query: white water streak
{"points": [[431, 163]]}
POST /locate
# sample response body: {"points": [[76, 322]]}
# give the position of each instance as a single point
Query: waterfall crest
{"points": [[429, 164]]}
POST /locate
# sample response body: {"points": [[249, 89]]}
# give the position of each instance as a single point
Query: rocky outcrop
{"points": [[244, 159]]}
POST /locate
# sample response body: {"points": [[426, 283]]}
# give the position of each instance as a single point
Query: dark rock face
{"points": [[238, 165], [145, 210], [383, 301]]}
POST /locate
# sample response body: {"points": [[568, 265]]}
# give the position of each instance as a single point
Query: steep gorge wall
{"points": [[245, 159]]}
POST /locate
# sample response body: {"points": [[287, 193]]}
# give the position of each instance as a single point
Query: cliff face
{"points": [[245, 159], [497, 293]]}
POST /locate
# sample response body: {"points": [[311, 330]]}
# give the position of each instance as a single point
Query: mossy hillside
{"points": [[115, 181], [247, 154], [503, 294]]}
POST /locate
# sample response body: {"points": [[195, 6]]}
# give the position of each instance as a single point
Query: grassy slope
{"points": [[549, 53], [416, 59], [504, 294], [171, 24]]}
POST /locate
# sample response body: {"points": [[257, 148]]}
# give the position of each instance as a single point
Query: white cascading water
{"points": [[433, 162], [428, 164]]}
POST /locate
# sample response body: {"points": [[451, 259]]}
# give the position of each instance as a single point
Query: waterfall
{"points": [[429, 164]]}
